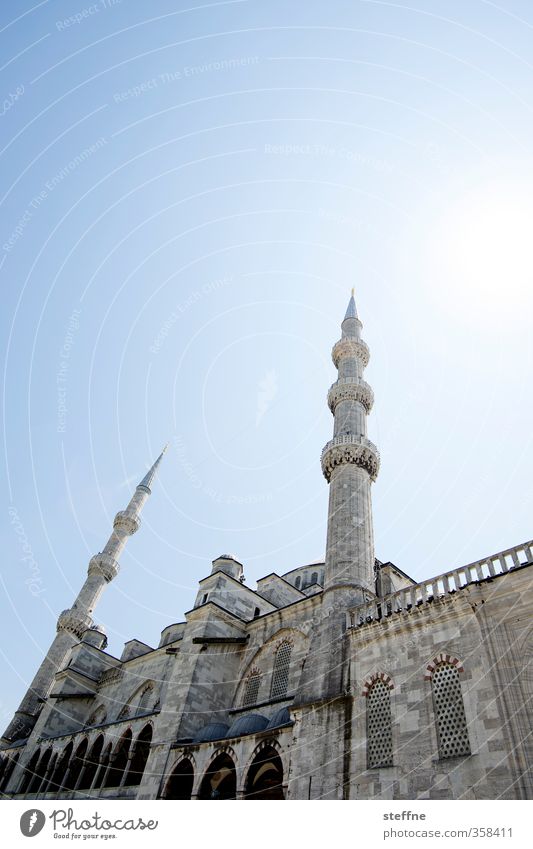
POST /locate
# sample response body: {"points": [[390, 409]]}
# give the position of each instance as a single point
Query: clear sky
{"points": [[189, 191]]}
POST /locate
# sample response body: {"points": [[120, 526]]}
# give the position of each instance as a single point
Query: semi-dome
{"points": [[281, 717], [247, 725], [211, 731]]}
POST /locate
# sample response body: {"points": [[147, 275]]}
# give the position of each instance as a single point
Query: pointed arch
{"points": [[62, 765], [40, 771], [264, 778], [141, 750], [220, 778], [76, 765], [119, 761], [181, 780], [91, 763]]}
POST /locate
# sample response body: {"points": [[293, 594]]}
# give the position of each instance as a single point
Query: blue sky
{"points": [[189, 192]]}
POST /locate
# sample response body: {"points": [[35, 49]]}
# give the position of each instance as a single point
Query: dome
{"points": [[211, 731], [281, 717], [247, 725]]}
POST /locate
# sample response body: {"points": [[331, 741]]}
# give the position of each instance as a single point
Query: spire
{"points": [[147, 481], [351, 312]]}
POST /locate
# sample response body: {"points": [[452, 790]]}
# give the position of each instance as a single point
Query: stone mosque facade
{"points": [[341, 679]]}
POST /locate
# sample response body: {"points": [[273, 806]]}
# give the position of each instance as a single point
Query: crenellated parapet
{"points": [[74, 621], [349, 389], [128, 521], [350, 348], [349, 448], [104, 565]]}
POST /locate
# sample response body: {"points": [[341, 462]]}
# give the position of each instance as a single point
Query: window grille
{"points": [[379, 726], [251, 689], [452, 730], [280, 675]]}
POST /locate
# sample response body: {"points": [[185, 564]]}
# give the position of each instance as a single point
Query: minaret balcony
{"points": [[127, 521], [348, 389], [74, 621], [350, 348], [348, 448], [104, 565]]}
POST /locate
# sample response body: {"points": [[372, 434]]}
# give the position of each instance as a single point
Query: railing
{"points": [[350, 439], [425, 592]]}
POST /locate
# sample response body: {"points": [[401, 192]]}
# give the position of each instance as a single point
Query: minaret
{"points": [[74, 622], [350, 462]]}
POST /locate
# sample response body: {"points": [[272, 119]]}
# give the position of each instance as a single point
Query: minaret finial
{"points": [[151, 473], [351, 312]]}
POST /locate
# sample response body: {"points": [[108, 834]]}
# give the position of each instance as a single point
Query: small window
{"points": [[251, 688], [280, 675], [257, 612], [297, 582], [378, 726], [205, 598], [452, 730], [314, 578]]}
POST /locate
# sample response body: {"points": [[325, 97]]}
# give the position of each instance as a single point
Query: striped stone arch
{"points": [[443, 657], [221, 750], [377, 676], [270, 742], [182, 757]]}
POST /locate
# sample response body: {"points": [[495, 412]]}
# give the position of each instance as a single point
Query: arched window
{"points": [[314, 578], [265, 776], [220, 780], [181, 781], [140, 756], [124, 713], [119, 761], [91, 763], [452, 732], [145, 698], [251, 688], [280, 675], [29, 772], [378, 725], [298, 582]]}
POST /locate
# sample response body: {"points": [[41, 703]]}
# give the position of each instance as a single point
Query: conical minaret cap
{"points": [[351, 312], [148, 479]]}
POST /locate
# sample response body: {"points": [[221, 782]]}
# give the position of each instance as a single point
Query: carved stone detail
{"points": [[350, 449], [127, 521], [74, 621], [104, 565], [350, 348], [346, 389]]}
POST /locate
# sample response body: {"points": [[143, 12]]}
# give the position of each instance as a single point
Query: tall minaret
{"points": [[74, 622], [350, 463]]}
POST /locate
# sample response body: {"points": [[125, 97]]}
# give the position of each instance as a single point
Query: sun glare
{"points": [[482, 250]]}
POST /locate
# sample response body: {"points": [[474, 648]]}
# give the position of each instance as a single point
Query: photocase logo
{"points": [[32, 822]]}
